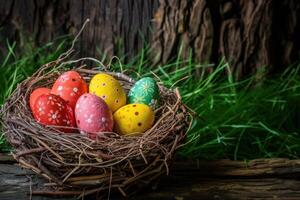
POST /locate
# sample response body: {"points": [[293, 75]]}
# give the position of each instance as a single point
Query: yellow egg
{"points": [[109, 89], [133, 118]]}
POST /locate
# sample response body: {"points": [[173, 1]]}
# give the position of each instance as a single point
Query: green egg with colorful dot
{"points": [[145, 91]]}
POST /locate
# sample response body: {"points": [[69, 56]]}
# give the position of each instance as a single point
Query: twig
{"points": [[69, 51], [30, 151], [56, 193]]}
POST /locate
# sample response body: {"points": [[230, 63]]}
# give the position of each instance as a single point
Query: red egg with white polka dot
{"points": [[71, 117], [93, 115], [36, 93], [50, 109], [70, 86]]}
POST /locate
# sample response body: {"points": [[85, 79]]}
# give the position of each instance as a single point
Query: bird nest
{"points": [[75, 164]]}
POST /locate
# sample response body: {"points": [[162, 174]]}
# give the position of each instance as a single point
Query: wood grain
{"points": [[223, 179]]}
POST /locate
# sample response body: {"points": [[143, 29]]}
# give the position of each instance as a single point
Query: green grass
{"points": [[16, 67], [239, 122], [234, 119]]}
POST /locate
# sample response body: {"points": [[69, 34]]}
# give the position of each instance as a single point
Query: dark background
{"points": [[253, 35]]}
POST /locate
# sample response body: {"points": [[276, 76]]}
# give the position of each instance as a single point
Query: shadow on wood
{"points": [[224, 179]]}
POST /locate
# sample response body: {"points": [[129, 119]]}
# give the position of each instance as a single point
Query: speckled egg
{"points": [[144, 91], [71, 117], [70, 86], [133, 118], [36, 93], [50, 109], [109, 89], [93, 115]]}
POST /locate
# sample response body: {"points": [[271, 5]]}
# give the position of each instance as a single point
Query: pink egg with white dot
{"points": [[93, 115]]}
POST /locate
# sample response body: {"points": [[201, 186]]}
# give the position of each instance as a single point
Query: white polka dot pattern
{"points": [[50, 109], [70, 86], [93, 115]]}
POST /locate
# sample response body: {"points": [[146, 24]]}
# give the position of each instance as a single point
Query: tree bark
{"points": [[253, 36], [115, 28], [223, 179]]}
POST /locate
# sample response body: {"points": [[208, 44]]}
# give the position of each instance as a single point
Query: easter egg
{"points": [[93, 115], [50, 109], [109, 89], [144, 91], [71, 116], [133, 118], [35, 94], [70, 86]]}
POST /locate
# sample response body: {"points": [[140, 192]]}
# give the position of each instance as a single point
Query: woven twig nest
{"points": [[78, 164]]}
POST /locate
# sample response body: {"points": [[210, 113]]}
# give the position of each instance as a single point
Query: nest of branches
{"points": [[76, 164]]}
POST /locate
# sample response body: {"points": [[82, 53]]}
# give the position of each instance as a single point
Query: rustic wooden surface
{"points": [[224, 179]]}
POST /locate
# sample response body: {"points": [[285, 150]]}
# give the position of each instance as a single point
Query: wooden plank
{"points": [[16, 183], [259, 179], [215, 188], [258, 167]]}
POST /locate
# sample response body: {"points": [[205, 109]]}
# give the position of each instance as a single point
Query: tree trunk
{"points": [[116, 27], [253, 36]]}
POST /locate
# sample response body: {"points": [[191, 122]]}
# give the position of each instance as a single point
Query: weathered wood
{"points": [[6, 158], [16, 183], [199, 188], [278, 167], [223, 179]]}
